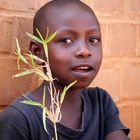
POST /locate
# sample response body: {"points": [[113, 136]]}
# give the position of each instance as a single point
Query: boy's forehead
{"points": [[68, 8], [63, 14], [55, 13]]}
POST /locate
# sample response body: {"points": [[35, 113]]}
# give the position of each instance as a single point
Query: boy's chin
{"points": [[82, 85]]}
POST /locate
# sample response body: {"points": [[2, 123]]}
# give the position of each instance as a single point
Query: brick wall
{"points": [[120, 70]]}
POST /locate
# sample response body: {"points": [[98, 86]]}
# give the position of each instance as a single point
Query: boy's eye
{"points": [[65, 40], [94, 40]]}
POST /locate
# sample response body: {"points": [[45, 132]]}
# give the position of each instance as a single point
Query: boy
{"points": [[75, 54]]}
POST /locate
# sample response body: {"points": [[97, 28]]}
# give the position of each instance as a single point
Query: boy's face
{"points": [[75, 53]]}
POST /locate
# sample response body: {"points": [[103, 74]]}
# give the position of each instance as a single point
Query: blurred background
{"points": [[120, 70]]}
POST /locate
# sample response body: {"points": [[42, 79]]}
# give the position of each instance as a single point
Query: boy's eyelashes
{"points": [[65, 40], [68, 41], [94, 40]]}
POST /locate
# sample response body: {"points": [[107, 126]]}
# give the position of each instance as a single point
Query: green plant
{"points": [[54, 111]]}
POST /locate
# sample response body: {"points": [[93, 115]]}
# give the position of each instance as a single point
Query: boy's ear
{"points": [[37, 49]]}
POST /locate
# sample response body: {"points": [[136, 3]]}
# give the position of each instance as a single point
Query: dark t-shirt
{"points": [[100, 117]]}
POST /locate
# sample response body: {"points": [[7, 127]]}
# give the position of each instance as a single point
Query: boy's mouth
{"points": [[83, 68], [83, 71]]}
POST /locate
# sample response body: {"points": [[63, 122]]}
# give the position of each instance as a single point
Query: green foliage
{"points": [[66, 88], [20, 56], [23, 73], [54, 112], [30, 102]]}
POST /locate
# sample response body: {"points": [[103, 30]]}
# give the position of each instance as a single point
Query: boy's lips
{"points": [[82, 71], [83, 68]]}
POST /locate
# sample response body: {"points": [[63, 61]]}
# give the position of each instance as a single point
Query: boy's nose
{"points": [[83, 51]]}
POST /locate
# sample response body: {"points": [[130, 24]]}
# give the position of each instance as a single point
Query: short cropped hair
{"points": [[41, 13]]}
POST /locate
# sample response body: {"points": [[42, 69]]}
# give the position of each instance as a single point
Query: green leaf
{"points": [[42, 75], [18, 65], [34, 37], [32, 60], [21, 57], [46, 50], [23, 73], [30, 102], [47, 32], [50, 115], [17, 44], [65, 90], [44, 96], [51, 37], [44, 119], [41, 37], [18, 53], [34, 57]]}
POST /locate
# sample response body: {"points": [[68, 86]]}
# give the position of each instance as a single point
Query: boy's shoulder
{"points": [[19, 105], [96, 92], [19, 118], [18, 109], [18, 112], [98, 97]]}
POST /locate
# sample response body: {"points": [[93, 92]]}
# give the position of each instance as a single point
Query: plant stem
{"points": [[55, 130]]}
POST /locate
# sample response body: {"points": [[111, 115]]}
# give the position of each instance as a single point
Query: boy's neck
{"points": [[73, 96], [72, 105]]}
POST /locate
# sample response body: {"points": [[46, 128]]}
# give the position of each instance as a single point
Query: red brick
{"points": [[2, 108], [21, 5], [6, 33], [138, 41], [136, 133], [109, 79], [12, 87], [88, 2], [133, 9], [130, 83], [104, 39], [24, 25], [42, 2], [109, 8], [118, 75], [122, 39]]}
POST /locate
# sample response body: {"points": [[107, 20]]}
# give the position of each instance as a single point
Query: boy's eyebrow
{"points": [[65, 30], [90, 30]]}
